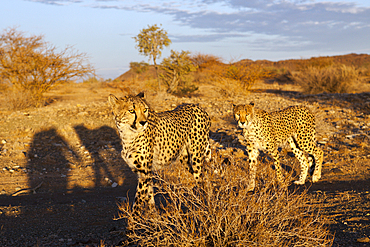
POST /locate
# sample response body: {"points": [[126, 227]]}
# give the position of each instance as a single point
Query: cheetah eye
{"points": [[145, 110], [131, 111]]}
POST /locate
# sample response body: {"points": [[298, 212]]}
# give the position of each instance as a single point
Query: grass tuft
{"points": [[220, 212]]}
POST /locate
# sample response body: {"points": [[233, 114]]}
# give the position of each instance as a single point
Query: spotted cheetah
{"points": [[266, 131], [152, 140]]}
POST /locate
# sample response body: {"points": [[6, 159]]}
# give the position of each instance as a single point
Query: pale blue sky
{"points": [[231, 29]]}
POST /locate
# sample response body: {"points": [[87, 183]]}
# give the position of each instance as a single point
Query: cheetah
{"points": [[266, 131], [153, 140]]}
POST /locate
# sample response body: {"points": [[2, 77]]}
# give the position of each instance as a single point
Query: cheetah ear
{"points": [[140, 95], [252, 103], [113, 101]]}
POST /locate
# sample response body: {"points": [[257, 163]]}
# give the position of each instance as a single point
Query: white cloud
{"points": [[57, 2]]}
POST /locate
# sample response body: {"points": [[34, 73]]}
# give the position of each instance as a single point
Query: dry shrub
{"points": [[203, 61], [209, 67], [3, 87], [21, 99], [230, 78], [33, 65], [336, 78], [220, 212], [247, 75], [317, 62]]}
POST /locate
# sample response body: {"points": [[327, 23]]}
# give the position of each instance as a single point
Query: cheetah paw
{"points": [[315, 178], [299, 182]]}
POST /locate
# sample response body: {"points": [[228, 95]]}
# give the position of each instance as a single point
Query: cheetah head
{"points": [[243, 114], [130, 112]]}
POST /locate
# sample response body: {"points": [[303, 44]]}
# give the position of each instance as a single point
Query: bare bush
{"points": [[205, 60], [230, 78], [221, 212], [29, 64], [246, 75], [336, 78]]}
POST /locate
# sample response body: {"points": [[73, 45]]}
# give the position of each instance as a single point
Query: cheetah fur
{"points": [[267, 131], [152, 140]]}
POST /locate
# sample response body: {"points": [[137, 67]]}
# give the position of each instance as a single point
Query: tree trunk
{"points": [[156, 73], [174, 83]]}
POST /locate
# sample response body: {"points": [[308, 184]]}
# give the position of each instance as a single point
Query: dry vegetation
{"points": [[30, 67], [334, 78], [217, 211], [220, 212]]}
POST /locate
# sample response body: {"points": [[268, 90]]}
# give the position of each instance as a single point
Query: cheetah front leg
{"points": [[144, 194], [252, 155]]}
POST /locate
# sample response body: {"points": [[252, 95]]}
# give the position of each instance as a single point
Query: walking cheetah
{"points": [[266, 131], [151, 140]]}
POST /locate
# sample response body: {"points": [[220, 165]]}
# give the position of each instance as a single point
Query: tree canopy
{"points": [[151, 41]]}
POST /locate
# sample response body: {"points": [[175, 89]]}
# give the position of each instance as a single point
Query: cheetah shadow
{"points": [[104, 147], [59, 165], [48, 161], [54, 160]]}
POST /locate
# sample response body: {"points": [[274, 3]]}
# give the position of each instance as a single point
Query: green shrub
{"points": [[175, 72], [139, 67]]}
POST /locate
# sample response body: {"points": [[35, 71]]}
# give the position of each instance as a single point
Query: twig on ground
{"points": [[23, 191]]}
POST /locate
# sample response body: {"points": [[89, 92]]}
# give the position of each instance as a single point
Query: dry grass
{"points": [[21, 99], [331, 79], [220, 212]]}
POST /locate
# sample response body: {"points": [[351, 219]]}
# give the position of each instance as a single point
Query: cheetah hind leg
{"points": [[184, 160], [275, 156], [319, 156], [299, 154], [207, 154]]}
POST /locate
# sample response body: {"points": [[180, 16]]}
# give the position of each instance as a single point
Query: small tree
{"points": [[150, 42], [31, 65], [176, 67]]}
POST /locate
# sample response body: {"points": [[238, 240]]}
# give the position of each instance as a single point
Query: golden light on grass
{"points": [[220, 212]]}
